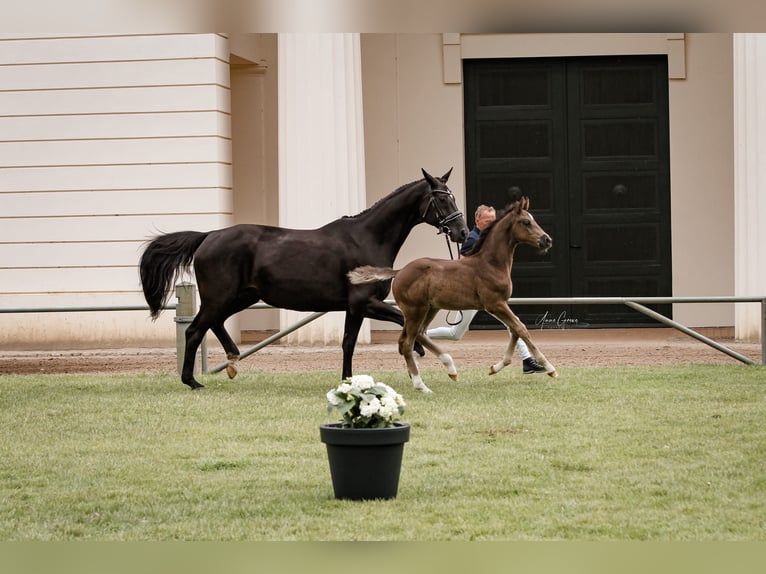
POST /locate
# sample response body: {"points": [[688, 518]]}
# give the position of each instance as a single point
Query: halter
{"points": [[441, 219]]}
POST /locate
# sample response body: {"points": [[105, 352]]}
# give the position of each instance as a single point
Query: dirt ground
{"points": [[564, 348]]}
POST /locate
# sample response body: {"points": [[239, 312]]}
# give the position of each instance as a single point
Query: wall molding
{"points": [[457, 47]]}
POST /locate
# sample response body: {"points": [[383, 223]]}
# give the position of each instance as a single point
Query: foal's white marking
{"points": [[497, 367], [447, 361], [419, 385]]}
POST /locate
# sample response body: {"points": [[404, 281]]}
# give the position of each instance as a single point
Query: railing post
{"points": [[185, 311]]}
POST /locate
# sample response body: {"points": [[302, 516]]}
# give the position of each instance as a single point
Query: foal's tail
{"points": [[162, 262], [369, 274]]}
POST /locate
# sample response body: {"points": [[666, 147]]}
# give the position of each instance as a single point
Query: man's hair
{"points": [[481, 209]]}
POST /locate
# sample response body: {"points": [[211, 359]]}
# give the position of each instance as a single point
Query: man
{"points": [[485, 214]]}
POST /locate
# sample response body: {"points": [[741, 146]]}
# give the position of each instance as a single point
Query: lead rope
{"points": [[459, 313], [449, 246]]}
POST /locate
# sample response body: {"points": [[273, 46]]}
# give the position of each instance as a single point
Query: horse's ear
{"points": [[445, 177], [429, 178], [525, 203]]}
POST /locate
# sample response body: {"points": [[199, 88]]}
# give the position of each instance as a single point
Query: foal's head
{"points": [[524, 228], [519, 226]]}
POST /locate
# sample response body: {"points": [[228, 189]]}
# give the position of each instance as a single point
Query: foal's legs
{"points": [[428, 343], [416, 322], [414, 318], [445, 358], [370, 308], [517, 330]]}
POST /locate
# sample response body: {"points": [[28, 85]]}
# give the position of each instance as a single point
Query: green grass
{"points": [[667, 453]]}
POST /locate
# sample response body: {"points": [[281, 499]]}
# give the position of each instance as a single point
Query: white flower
{"points": [[333, 398], [362, 382], [388, 407], [371, 408], [344, 388]]}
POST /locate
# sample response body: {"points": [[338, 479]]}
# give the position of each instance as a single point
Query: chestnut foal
{"points": [[480, 280]]}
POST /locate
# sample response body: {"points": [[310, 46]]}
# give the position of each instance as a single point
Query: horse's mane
{"points": [[398, 190], [476, 247]]}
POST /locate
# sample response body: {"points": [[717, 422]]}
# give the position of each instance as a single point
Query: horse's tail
{"points": [[162, 262], [369, 274]]}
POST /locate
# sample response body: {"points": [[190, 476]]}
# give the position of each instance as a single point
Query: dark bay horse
{"points": [[302, 270], [480, 280]]}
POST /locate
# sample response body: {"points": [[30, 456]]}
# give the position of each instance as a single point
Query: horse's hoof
{"points": [[425, 390], [232, 370], [492, 370], [553, 374], [195, 386], [452, 376]]}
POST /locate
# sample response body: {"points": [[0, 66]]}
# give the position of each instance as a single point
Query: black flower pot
{"points": [[365, 463]]}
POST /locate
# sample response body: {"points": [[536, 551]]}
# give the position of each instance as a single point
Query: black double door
{"points": [[586, 139]]}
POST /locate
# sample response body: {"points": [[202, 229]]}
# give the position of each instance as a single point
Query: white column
{"points": [[749, 179], [321, 148]]}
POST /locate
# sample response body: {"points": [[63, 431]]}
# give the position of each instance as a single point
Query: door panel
{"points": [[619, 184], [587, 140], [515, 137]]}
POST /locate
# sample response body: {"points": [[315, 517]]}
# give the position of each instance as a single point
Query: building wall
{"points": [[412, 120], [702, 179], [414, 117], [254, 112], [104, 142], [108, 140]]}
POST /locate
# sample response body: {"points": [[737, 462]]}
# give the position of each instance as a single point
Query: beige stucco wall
{"points": [[413, 119], [702, 179]]}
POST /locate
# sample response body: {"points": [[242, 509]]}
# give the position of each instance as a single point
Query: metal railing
{"points": [[639, 304], [186, 309], [636, 303]]}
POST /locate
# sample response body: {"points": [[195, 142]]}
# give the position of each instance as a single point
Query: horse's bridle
{"points": [[441, 219]]}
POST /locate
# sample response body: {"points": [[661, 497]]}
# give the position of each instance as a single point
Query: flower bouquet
{"points": [[364, 403]]}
